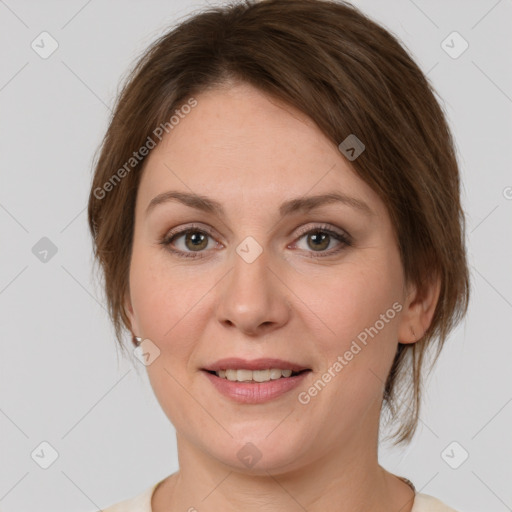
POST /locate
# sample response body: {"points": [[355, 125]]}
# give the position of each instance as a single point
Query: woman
{"points": [[276, 212]]}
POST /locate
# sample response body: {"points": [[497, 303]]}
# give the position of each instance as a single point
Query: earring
{"points": [[138, 340]]}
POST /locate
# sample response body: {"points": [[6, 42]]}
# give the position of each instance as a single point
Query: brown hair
{"points": [[350, 76]]}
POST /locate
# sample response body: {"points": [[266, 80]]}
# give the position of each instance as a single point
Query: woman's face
{"points": [[256, 281]]}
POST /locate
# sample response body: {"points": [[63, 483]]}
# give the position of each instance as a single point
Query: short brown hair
{"points": [[350, 76]]}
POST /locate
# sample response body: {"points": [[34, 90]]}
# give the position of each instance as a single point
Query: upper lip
{"points": [[236, 363]]}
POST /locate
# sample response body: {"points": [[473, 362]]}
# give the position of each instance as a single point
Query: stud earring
{"points": [[138, 340]]}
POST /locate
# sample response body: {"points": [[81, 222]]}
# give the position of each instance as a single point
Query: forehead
{"points": [[238, 141]]}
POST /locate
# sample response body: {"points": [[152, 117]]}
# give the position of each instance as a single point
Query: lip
{"points": [[255, 392], [236, 363]]}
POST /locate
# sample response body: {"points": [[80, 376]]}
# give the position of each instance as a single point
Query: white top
{"points": [[142, 503]]}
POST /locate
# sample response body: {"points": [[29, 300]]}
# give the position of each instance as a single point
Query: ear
{"points": [[131, 315], [418, 310]]}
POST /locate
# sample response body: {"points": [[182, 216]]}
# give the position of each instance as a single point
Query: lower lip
{"points": [[256, 392]]}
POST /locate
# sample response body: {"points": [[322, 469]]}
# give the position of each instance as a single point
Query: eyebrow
{"points": [[299, 204]]}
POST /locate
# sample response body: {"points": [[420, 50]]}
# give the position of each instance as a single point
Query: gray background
{"points": [[62, 380]]}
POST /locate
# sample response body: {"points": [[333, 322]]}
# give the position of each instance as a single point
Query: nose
{"points": [[253, 297]]}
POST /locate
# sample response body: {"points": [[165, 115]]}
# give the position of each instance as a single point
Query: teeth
{"points": [[261, 375], [242, 375], [231, 375], [275, 374], [256, 375]]}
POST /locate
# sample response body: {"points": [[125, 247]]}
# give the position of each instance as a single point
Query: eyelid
{"points": [[181, 230], [342, 236], [322, 226], [301, 231]]}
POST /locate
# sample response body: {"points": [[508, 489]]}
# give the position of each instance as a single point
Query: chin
{"points": [[261, 451]]}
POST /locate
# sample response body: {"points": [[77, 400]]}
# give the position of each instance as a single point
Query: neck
{"points": [[346, 478]]}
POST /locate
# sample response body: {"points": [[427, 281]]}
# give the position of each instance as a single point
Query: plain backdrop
{"points": [[62, 382]]}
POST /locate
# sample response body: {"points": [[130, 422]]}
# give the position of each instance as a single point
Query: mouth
{"points": [[244, 375], [256, 381]]}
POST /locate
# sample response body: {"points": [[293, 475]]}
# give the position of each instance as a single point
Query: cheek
{"points": [[355, 297], [359, 307], [170, 302], [164, 296], [166, 300], [357, 337]]}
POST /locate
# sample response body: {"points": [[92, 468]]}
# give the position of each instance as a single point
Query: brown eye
{"points": [[187, 242], [318, 240], [195, 240]]}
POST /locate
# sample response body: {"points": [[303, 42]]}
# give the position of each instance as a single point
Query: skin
{"points": [[251, 153]]}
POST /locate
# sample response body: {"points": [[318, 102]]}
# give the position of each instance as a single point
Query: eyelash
{"points": [[344, 240]]}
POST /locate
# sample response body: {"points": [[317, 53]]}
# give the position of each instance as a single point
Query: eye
{"points": [[194, 240], [319, 238]]}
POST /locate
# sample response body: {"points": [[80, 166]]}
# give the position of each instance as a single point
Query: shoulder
{"points": [[139, 503], [427, 503]]}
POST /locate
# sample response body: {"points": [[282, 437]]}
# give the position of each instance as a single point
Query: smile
{"points": [[255, 375], [249, 390]]}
